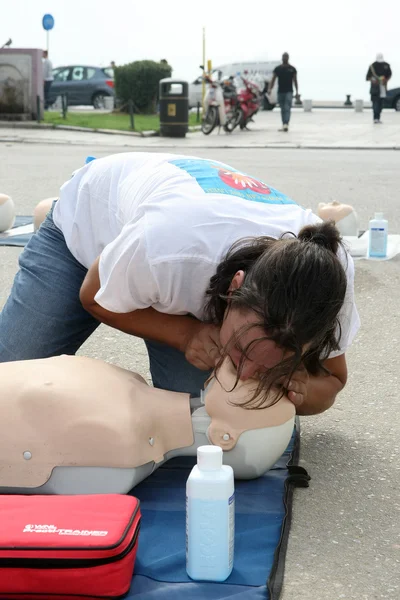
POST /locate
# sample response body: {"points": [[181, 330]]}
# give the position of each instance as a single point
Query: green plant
{"points": [[139, 81], [11, 97]]}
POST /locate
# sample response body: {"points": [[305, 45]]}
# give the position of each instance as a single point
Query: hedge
{"points": [[138, 81]]}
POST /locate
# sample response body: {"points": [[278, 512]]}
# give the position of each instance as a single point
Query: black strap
{"points": [[297, 477]]}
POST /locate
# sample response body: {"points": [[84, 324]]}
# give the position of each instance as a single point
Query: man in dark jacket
{"points": [[378, 74]]}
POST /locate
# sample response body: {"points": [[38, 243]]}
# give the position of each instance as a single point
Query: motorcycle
{"points": [[220, 106], [249, 103]]}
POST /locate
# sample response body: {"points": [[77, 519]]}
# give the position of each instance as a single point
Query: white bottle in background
{"points": [[378, 236], [210, 517]]}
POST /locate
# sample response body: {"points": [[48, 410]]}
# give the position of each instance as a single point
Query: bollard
{"points": [[130, 104], [64, 105], [298, 101], [38, 109], [58, 103], [109, 103], [198, 113], [348, 101], [359, 105], [307, 105]]}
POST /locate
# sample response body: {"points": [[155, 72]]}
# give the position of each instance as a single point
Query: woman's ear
{"points": [[236, 282]]}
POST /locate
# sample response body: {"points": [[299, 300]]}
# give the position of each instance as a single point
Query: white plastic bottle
{"points": [[210, 517], [378, 236]]}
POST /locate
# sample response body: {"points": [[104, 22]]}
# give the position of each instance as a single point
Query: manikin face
{"points": [[262, 355]]}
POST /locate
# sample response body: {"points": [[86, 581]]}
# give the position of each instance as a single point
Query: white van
{"points": [[258, 71]]}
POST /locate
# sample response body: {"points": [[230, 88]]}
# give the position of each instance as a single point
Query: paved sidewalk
{"points": [[322, 128]]}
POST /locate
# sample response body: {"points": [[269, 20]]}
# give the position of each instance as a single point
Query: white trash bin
{"points": [[307, 104]]}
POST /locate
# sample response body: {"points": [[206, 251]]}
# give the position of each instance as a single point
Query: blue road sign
{"points": [[48, 22]]}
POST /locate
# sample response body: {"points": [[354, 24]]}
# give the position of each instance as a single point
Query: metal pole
{"points": [[64, 104], [130, 103], [38, 109], [47, 36], [203, 89]]}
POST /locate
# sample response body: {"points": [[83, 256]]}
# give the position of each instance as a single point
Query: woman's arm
{"points": [[197, 340], [314, 394]]}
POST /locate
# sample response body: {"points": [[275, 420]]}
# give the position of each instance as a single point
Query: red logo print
{"points": [[243, 182]]}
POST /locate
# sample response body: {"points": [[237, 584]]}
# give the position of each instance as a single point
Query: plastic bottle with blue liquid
{"points": [[210, 517]]}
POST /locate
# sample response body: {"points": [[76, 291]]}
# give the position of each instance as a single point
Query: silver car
{"points": [[84, 85]]}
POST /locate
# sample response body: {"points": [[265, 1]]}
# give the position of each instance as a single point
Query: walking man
{"points": [[48, 77], [287, 76], [378, 74]]}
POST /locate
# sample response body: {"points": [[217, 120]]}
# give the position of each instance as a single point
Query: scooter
{"points": [[220, 106]]}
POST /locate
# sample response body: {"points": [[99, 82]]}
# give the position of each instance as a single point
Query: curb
{"points": [[170, 145], [49, 126]]}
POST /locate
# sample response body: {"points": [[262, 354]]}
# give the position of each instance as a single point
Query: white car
{"points": [[259, 72]]}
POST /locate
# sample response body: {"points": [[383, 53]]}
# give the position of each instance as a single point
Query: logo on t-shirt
{"points": [[216, 178]]}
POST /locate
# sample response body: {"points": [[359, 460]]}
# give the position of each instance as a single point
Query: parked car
{"points": [[392, 99], [84, 85]]}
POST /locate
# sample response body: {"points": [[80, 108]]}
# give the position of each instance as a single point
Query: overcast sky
{"points": [[330, 43]]}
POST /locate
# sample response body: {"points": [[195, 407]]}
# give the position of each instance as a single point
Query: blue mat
{"points": [[17, 240], [262, 522]]}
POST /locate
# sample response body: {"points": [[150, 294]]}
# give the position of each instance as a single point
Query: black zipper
{"points": [[67, 563]]}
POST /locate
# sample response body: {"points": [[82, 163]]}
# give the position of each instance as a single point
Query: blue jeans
{"points": [[44, 317], [285, 100], [377, 105]]}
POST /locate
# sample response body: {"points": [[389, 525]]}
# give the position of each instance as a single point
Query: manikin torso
{"points": [[344, 216], [78, 425]]}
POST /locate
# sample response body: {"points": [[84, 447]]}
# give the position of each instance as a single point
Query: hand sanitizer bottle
{"points": [[210, 517], [378, 235]]}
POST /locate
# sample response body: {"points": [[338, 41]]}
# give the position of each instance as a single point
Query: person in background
{"points": [[112, 64], [378, 74], [47, 77], [287, 76]]}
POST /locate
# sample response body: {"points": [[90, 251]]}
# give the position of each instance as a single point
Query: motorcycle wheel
{"points": [[232, 120], [210, 120], [243, 121]]}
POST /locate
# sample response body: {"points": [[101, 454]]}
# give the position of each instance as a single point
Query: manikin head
{"points": [[278, 302]]}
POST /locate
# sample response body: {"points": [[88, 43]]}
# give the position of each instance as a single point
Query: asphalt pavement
{"points": [[344, 541]]}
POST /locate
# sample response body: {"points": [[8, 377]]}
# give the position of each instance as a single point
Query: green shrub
{"points": [[138, 81]]}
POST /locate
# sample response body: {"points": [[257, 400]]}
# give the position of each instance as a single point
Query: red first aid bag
{"points": [[67, 547]]}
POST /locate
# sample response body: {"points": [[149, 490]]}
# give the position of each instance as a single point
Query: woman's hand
{"points": [[203, 346], [298, 388]]}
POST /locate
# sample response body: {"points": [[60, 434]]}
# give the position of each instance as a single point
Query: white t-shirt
{"points": [[47, 70], [162, 223]]}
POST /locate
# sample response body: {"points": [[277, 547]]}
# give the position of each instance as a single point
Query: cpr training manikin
{"points": [[77, 425]]}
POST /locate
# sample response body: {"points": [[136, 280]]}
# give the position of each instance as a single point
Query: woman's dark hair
{"points": [[296, 285]]}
